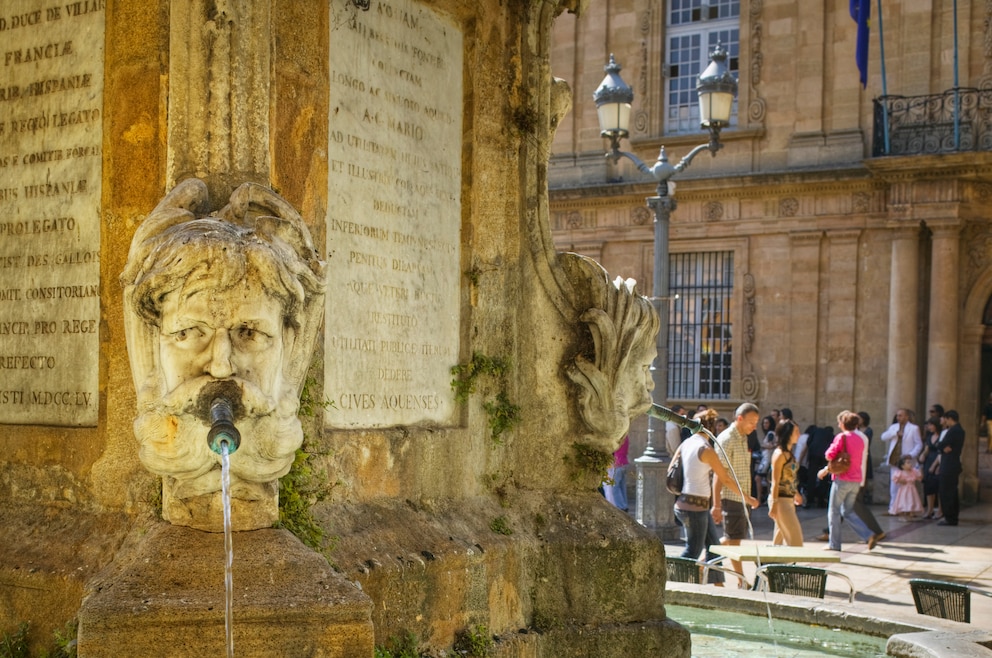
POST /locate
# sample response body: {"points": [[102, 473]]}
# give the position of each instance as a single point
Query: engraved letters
{"points": [[51, 109], [394, 170]]}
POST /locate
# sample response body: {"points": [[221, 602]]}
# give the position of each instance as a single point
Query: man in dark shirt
{"points": [[950, 446]]}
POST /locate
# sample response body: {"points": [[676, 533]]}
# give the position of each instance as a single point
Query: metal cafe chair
{"points": [[937, 598], [798, 580], [687, 570], [683, 570]]}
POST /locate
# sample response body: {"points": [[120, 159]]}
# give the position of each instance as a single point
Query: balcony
{"points": [[955, 121]]}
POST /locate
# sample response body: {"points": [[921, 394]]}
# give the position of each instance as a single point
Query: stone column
{"points": [[969, 375], [903, 308], [942, 348], [219, 87], [654, 504]]}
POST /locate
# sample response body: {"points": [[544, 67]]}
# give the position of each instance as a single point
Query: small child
{"points": [[906, 503]]}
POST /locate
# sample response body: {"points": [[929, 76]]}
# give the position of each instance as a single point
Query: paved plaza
{"points": [[919, 549]]}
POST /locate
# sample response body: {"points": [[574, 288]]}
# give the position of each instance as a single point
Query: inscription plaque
{"points": [[51, 109], [394, 217]]}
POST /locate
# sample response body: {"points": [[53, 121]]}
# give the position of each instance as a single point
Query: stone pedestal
{"points": [[654, 508], [164, 596]]}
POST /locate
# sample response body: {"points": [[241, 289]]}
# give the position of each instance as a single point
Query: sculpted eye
{"points": [[250, 338], [190, 333], [247, 333]]}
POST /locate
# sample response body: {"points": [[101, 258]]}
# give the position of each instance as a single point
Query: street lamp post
{"points": [[717, 89]]}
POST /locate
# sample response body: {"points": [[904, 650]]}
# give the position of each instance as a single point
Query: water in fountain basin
{"points": [[726, 634], [225, 480]]}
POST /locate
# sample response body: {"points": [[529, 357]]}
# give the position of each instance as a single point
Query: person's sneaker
{"points": [[874, 539], [824, 537]]}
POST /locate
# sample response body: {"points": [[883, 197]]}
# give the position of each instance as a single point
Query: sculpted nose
{"points": [[220, 364]]}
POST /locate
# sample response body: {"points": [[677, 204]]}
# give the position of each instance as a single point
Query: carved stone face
{"points": [[233, 333], [637, 377], [221, 306]]}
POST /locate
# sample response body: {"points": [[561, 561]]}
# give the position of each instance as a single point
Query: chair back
{"points": [[797, 580], [683, 570], [940, 599]]}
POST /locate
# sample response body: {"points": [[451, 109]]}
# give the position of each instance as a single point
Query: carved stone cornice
{"points": [[845, 237], [970, 165], [805, 239]]}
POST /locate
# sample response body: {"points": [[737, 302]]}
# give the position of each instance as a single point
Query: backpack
{"points": [[675, 476]]}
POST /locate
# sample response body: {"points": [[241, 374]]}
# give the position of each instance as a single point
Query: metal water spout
{"points": [[222, 432]]}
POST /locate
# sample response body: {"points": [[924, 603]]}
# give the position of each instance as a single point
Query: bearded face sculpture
{"points": [[223, 306]]}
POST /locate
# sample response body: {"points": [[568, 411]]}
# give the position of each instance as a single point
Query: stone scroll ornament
{"points": [[613, 370], [221, 306]]}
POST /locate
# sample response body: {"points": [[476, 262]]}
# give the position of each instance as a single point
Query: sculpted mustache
{"points": [[184, 398]]}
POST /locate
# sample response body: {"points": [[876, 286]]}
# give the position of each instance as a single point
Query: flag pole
{"points": [[885, 86], [957, 95]]}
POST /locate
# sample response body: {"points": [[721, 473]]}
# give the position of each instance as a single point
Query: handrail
{"points": [[957, 120], [712, 564]]}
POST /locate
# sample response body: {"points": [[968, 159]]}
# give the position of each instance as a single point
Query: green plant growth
{"points": [[475, 641], [15, 645], [65, 641], [500, 526], [299, 491], [309, 402], [589, 460], [501, 413], [402, 646], [305, 486]]}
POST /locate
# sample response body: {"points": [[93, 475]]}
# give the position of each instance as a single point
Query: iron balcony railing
{"points": [[957, 120]]}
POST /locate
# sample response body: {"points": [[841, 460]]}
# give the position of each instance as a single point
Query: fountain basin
{"points": [[163, 595], [909, 635]]}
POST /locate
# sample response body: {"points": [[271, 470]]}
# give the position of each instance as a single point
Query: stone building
{"points": [[830, 256]]}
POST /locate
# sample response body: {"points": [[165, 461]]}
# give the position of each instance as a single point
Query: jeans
{"points": [[616, 493], [843, 496], [700, 534]]}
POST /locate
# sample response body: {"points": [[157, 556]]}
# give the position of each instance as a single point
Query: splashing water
{"points": [[225, 481]]}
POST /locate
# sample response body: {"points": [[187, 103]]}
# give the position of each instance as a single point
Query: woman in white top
{"points": [[692, 507]]}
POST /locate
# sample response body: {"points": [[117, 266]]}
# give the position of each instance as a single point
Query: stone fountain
{"points": [[221, 308], [234, 202]]}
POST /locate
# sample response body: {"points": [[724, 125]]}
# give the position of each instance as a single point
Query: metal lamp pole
{"points": [[717, 89]]}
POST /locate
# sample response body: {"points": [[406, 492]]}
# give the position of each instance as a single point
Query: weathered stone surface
{"points": [[550, 567], [164, 596], [48, 552]]}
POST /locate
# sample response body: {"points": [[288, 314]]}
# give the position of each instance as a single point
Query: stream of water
{"points": [[225, 482]]}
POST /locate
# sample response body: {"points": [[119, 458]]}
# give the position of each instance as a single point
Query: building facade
{"points": [[837, 252]]}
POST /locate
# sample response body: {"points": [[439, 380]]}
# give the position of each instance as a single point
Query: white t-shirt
{"points": [[800, 449]]}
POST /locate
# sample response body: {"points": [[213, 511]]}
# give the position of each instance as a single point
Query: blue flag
{"points": [[860, 12]]}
